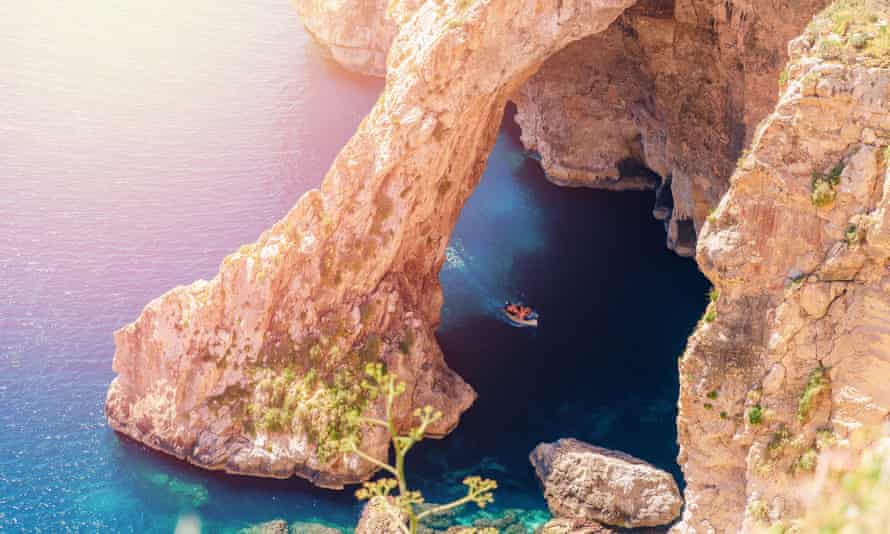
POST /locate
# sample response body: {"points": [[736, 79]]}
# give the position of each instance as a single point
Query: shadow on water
{"points": [[616, 308]]}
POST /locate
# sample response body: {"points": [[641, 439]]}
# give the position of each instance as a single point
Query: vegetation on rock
{"points": [[816, 384], [823, 186], [755, 415], [853, 27], [854, 496], [407, 502]]}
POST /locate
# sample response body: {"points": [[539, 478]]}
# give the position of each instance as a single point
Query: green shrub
{"points": [[778, 441], [823, 194], [755, 415], [807, 461], [289, 375], [816, 384], [710, 315], [823, 186], [708, 406], [724, 415], [830, 49], [825, 438], [712, 394], [758, 510], [851, 234]]}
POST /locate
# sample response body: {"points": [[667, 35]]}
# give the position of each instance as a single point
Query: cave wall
{"points": [[679, 87], [675, 86]]}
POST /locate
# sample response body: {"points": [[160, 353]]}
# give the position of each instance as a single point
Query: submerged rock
{"points": [[276, 526], [587, 483], [301, 527], [570, 526], [380, 518], [280, 526]]}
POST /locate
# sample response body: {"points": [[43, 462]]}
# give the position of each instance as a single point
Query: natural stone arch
{"points": [[355, 263], [351, 273]]}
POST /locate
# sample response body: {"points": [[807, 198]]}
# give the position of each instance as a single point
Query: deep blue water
{"points": [[142, 142], [616, 308]]}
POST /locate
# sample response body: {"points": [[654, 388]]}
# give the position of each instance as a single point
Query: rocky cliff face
{"points": [[670, 94], [793, 353], [673, 89], [258, 370], [356, 33]]}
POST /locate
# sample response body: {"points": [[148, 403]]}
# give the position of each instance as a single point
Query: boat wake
{"points": [[481, 283]]}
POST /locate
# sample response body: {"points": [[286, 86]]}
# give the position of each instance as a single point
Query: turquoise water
{"points": [[141, 142]]}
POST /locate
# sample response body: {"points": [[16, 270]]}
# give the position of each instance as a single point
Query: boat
{"points": [[514, 312]]}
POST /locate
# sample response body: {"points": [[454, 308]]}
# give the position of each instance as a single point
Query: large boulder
{"points": [[303, 527], [591, 484]]}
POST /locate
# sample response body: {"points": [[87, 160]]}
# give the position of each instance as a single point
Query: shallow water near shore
{"points": [[142, 143]]}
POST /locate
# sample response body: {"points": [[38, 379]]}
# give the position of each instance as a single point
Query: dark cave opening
{"points": [[616, 309]]}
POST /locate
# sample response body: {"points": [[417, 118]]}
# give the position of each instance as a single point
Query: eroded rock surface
{"points": [[574, 526], [794, 352], [672, 87], [276, 526], [356, 33], [672, 91], [257, 370], [254, 370], [590, 484], [380, 518]]}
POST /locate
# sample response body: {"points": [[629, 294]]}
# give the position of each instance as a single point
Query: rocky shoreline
{"points": [[257, 371]]}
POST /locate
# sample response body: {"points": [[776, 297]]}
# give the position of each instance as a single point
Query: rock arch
{"points": [[350, 274]]}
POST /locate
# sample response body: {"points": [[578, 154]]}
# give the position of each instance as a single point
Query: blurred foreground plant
{"points": [[406, 502]]}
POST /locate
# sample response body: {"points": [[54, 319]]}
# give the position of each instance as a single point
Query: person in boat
{"points": [[518, 310]]}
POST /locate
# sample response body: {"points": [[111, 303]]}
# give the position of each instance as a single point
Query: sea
{"points": [[142, 141]]}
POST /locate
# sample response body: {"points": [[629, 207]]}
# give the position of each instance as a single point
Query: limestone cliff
{"points": [[674, 87], [254, 370], [356, 33], [257, 370], [794, 351], [669, 94]]}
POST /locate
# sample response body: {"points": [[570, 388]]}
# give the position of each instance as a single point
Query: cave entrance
{"points": [[617, 307]]}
